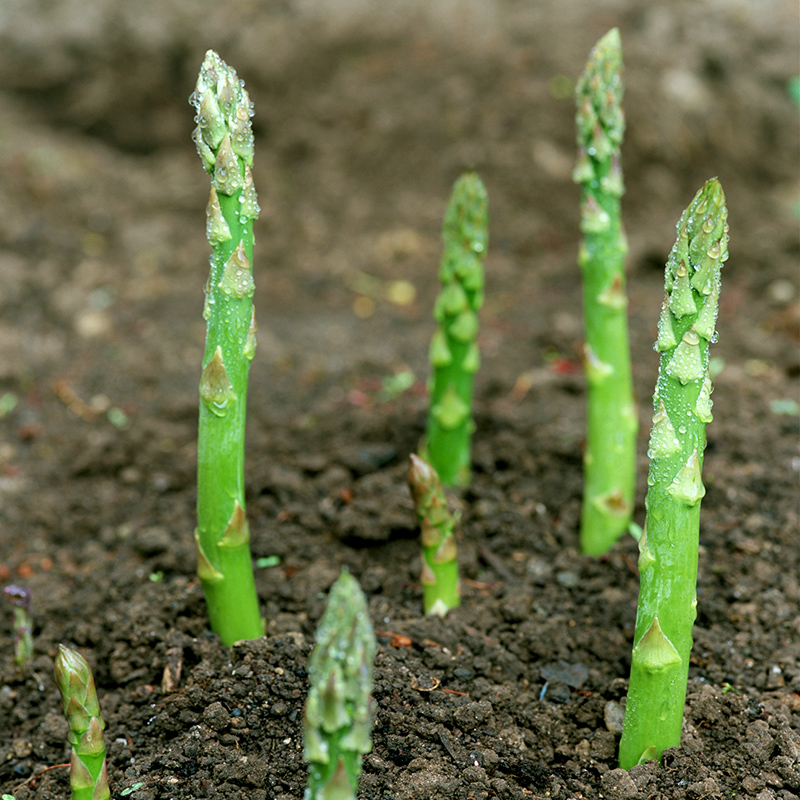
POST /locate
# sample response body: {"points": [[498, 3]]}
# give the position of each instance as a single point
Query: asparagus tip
{"points": [[600, 122], [18, 596]]}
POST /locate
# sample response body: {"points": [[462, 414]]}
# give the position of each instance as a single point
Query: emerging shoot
{"points": [[224, 140], [88, 779], [611, 424], [454, 351], [440, 585], [20, 598], [338, 718], [669, 542]]}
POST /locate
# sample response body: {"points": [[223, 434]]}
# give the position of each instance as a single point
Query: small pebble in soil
{"points": [[618, 785], [573, 675], [613, 716], [568, 579], [555, 692]]}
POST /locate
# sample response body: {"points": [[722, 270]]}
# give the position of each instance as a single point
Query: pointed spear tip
{"points": [[600, 121], [214, 64], [19, 596], [470, 192], [712, 189], [607, 52], [470, 179], [69, 660], [418, 465], [423, 480], [608, 47], [705, 221], [710, 193]]}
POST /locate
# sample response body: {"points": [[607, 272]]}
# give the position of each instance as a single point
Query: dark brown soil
{"points": [[363, 124]]}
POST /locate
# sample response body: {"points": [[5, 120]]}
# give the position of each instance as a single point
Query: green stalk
{"points": [[440, 585], [610, 455], [454, 352], [224, 140], [669, 541], [87, 778], [337, 725], [20, 598]]}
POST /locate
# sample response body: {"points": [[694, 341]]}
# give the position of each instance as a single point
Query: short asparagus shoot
{"points": [[440, 584], [611, 424], [454, 354], [669, 542], [88, 779], [224, 140], [20, 598], [338, 717]]}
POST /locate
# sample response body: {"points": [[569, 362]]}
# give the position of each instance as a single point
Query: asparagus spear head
{"points": [[88, 778], [339, 710], [440, 585]]}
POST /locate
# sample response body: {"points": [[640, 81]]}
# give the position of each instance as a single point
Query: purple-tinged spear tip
{"points": [[18, 596]]}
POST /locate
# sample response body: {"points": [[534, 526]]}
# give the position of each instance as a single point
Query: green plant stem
{"points": [[338, 717], [20, 598], [88, 778], [610, 454], [440, 584], [224, 142], [454, 351], [669, 542]]}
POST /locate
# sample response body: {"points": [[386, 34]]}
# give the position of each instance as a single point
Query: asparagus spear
{"points": [[669, 542], [440, 586], [454, 352], [337, 725], [20, 598], [88, 779], [224, 140], [610, 455]]}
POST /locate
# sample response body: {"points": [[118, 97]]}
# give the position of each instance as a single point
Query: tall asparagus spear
{"points": [[454, 352], [610, 455], [224, 140], [88, 779], [338, 716], [669, 542], [440, 585]]}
